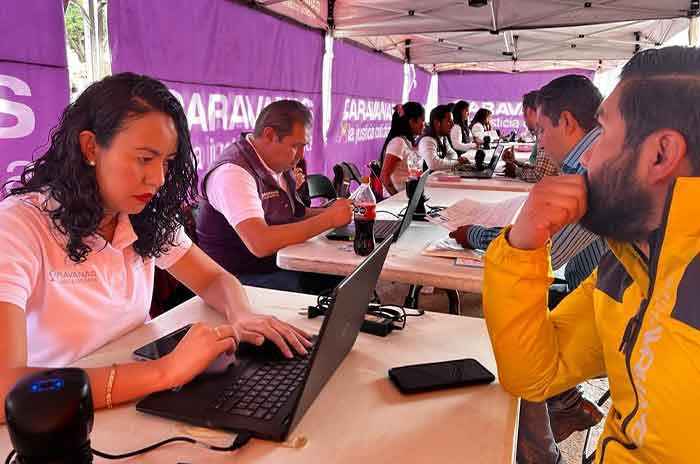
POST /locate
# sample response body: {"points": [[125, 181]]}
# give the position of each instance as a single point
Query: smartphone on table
{"points": [[419, 378], [162, 346]]}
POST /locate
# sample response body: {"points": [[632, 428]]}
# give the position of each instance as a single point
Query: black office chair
{"points": [[376, 168], [343, 175], [320, 186]]}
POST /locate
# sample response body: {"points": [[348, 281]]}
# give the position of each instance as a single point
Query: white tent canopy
{"points": [[594, 46], [503, 34], [357, 18]]}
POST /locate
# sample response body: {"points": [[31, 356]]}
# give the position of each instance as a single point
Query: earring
{"points": [[91, 163]]}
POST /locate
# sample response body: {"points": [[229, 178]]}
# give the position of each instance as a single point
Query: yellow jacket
{"points": [[635, 320]]}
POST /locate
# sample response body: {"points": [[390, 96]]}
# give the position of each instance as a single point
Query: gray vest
{"points": [[216, 236]]}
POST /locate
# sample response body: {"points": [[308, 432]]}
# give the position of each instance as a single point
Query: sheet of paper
{"points": [[487, 214], [449, 248], [468, 262]]}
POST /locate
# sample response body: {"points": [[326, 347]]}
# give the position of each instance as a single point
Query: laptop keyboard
{"points": [[263, 391], [384, 228]]}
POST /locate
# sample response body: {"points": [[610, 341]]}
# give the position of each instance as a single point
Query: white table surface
{"points": [[519, 155], [496, 183], [359, 417], [405, 262]]}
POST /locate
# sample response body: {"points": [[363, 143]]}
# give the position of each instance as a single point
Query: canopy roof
{"points": [[502, 34]]}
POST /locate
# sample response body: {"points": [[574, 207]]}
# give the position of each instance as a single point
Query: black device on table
{"points": [[419, 378], [264, 393], [490, 169], [385, 228], [49, 417]]}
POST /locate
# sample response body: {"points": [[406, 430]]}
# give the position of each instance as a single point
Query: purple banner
{"points": [[33, 32], [365, 88], [217, 116], [215, 42], [225, 62], [420, 86], [499, 92], [33, 80]]}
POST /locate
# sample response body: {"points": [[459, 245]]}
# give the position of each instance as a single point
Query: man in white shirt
{"points": [[434, 148], [251, 210]]}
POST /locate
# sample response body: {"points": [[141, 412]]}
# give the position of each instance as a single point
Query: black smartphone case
{"points": [[398, 377]]}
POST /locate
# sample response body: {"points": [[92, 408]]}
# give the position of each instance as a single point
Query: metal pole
{"points": [[693, 31]]}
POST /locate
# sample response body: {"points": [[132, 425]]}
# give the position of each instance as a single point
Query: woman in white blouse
{"points": [[480, 125], [460, 138], [434, 147], [83, 231], [407, 122]]}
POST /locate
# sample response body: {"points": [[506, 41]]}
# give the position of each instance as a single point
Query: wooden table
{"points": [[405, 262], [359, 417], [496, 183]]}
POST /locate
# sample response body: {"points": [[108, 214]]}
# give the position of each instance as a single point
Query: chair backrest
{"points": [[320, 186], [343, 175], [376, 168]]}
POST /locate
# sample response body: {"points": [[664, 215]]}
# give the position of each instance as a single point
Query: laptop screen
{"points": [[496, 156], [412, 204], [341, 325]]}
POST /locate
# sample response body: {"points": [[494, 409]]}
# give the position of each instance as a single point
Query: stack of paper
{"points": [[449, 248], [487, 214]]}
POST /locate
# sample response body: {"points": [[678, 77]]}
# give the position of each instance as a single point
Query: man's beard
{"points": [[618, 207]]}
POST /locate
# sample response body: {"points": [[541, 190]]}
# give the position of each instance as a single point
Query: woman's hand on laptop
{"points": [[255, 328], [196, 351]]}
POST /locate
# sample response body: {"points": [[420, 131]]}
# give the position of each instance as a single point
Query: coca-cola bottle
{"points": [[377, 188], [365, 211]]}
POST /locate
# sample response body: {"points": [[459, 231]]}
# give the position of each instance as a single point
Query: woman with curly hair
{"points": [[83, 232]]}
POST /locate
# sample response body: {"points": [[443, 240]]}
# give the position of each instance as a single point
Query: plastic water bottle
{"points": [[365, 212], [414, 163]]}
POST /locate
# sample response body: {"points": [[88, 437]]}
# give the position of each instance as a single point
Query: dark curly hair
{"points": [[63, 174]]}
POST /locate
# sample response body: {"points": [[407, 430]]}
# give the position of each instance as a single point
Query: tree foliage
{"points": [[75, 30]]}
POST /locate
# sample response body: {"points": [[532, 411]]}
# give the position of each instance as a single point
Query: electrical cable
{"points": [[239, 442]]}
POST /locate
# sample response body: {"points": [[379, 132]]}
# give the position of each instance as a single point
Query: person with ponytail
{"points": [[407, 122]]}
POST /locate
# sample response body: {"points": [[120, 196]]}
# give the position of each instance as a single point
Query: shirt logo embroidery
{"points": [[270, 194], [72, 277]]}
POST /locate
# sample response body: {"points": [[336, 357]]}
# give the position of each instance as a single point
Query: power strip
{"points": [[373, 324]]}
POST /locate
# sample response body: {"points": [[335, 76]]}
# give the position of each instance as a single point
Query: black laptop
{"points": [[490, 170], [265, 393], [385, 228]]}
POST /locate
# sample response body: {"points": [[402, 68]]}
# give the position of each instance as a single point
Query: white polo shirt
{"points": [[400, 148], [233, 192], [73, 309]]}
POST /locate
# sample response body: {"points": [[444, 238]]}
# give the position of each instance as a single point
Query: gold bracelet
{"points": [[110, 384]]}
